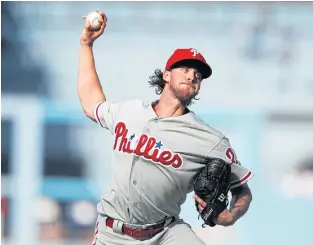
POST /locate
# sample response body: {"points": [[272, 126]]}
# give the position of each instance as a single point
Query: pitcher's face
{"points": [[184, 82]]}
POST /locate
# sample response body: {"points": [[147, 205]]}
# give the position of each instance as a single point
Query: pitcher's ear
{"points": [[166, 76]]}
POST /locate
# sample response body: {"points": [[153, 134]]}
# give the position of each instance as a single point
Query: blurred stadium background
{"points": [[55, 163]]}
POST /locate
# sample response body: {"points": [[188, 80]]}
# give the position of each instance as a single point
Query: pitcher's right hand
{"points": [[88, 36]]}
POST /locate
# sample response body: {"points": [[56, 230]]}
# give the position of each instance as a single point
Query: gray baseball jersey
{"points": [[156, 159]]}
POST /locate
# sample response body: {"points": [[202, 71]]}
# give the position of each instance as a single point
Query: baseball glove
{"points": [[212, 186]]}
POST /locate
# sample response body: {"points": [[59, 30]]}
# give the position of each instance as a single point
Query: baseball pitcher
{"points": [[161, 152]]}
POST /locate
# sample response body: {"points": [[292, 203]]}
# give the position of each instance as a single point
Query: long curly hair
{"points": [[156, 81]]}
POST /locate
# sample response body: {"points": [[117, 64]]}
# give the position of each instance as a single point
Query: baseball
{"points": [[93, 19]]}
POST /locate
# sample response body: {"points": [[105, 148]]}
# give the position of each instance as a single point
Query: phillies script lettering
{"points": [[147, 147]]}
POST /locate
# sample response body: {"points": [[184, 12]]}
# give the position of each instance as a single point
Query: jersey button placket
{"points": [[136, 159]]}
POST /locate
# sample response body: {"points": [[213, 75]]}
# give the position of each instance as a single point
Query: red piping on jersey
{"points": [[153, 107], [246, 177], [98, 116]]}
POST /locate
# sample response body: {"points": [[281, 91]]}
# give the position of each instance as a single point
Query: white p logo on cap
{"points": [[194, 51]]}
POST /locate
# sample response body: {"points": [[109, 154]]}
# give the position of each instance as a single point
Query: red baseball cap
{"points": [[194, 57]]}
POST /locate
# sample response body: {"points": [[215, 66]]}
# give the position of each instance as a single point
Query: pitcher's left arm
{"points": [[240, 201]]}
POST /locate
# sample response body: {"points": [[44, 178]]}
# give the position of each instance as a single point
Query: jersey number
{"points": [[231, 155]]}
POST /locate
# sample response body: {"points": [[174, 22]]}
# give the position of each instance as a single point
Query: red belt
{"points": [[138, 233]]}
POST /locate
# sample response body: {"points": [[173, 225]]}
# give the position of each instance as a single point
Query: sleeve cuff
{"points": [[96, 113], [244, 179]]}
